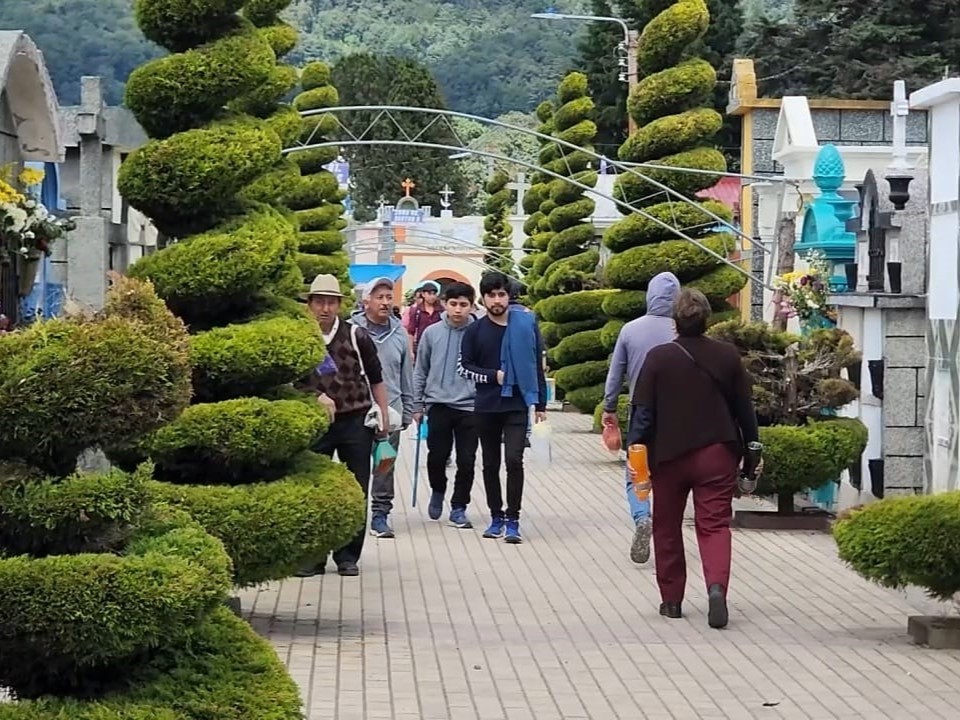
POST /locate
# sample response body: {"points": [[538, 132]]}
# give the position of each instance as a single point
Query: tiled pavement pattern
{"points": [[443, 624]]}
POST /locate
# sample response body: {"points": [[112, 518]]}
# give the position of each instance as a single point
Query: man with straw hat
{"points": [[351, 379]]}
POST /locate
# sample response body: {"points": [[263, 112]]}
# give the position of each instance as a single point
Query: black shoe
{"points": [[671, 610], [717, 614], [308, 572], [348, 569]]}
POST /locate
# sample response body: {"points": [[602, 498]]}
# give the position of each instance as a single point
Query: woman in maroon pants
{"points": [[693, 409]]}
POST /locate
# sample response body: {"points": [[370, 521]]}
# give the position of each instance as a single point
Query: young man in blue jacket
{"points": [[501, 353], [447, 400]]}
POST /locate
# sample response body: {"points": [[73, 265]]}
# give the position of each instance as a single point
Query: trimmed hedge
{"points": [[222, 670], [672, 90], [623, 416], [902, 541], [634, 268], [585, 399], [64, 617], [70, 385], [635, 230], [579, 348], [262, 101], [179, 24], [636, 190], [553, 333], [666, 37], [321, 242], [581, 375], [609, 334], [220, 271], [626, 305], [671, 134], [251, 358], [271, 529], [187, 183], [235, 440], [574, 306], [179, 92], [719, 285], [281, 36]]}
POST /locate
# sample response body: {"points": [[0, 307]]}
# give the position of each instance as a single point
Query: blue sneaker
{"points": [[435, 508], [379, 527], [513, 532], [458, 518], [496, 528]]}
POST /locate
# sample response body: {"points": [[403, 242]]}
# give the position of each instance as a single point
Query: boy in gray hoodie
{"points": [[636, 339], [447, 400]]}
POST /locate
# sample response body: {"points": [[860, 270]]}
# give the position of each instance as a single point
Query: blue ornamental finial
{"points": [[828, 170]]}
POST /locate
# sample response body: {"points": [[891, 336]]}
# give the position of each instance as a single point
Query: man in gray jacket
{"points": [[447, 399], [636, 339], [393, 348]]}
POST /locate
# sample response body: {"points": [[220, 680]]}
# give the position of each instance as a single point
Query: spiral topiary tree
{"points": [[496, 239], [316, 196], [536, 227], [110, 599], [568, 263], [213, 177], [675, 126]]}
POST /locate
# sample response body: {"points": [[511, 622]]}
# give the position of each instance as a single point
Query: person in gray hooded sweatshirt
{"points": [[636, 339], [393, 349], [447, 399]]}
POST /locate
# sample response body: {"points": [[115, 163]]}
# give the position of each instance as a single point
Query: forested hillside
{"points": [[488, 56]]}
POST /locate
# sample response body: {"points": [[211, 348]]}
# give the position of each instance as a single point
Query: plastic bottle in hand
{"points": [[637, 460]]}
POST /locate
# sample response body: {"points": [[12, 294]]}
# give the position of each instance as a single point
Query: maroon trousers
{"points": [[711, 473]]}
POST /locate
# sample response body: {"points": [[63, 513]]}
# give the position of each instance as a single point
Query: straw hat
{"points": [[327, 285]]}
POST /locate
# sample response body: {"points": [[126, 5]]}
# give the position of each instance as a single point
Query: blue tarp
{"points": [[362, 274]]}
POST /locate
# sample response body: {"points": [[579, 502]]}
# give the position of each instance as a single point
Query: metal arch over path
{"points": [[412, 137]]}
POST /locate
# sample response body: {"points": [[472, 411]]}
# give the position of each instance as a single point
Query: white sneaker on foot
{"points": [[640, 547]]}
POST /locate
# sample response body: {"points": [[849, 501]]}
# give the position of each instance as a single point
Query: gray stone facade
{"points": [[904, 399], [840, 127]]}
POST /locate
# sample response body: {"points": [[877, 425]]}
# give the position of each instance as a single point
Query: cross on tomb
{"points": [[408, 185], [899, 109], [520, 185], [445, 194]]}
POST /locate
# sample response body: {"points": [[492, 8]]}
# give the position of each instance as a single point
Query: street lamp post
{"points": [[629, 44]]}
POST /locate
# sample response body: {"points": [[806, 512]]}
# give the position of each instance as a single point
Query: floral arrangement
{"points": [[27, 228], [803, 293]]}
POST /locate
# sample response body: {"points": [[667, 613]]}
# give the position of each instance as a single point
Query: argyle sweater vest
{"points": [[347, 387]]}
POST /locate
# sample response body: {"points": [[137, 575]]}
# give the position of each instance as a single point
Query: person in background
{"points": [[636, 339], [693, 408], [425, 312], [339, 382], [448, 401], [390, 339], [501, 354]]}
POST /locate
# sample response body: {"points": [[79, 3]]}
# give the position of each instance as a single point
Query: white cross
{"points": [[445, 194], [520, 185], [899, 109]]}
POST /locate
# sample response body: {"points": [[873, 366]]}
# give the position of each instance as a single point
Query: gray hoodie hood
{"points": [[393, 349], [640, 336], [435, 377]]}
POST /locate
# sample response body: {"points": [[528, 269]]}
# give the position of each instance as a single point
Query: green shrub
{"points": [[190, 181], [321, 242], [181, 24], [623, 416], [634, 268], [262, 100], [720, 284], [271, 529], [319, 97], [575, 306], [666, 37], [672, 90], [314, 75], [581, 375], [221, 270], [337, 264], [234, 440], [671, 134], [285, 122], [273, 187], [251, 358], [808, 457], [222, 671], [903, 541], [312, 190], [263, 12], [626, 305], [635, 230], [585, 399], [82, 513], [182, 91], [281, 36], [609, 334], [66, 386], [319, 218], [579, 348], [569, 241], [63, 617], [634, 189]]}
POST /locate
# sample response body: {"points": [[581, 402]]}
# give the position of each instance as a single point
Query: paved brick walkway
{"points": [[446, 625]]}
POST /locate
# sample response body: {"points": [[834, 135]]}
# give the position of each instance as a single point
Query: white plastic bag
{"points": [[541, 443]]}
